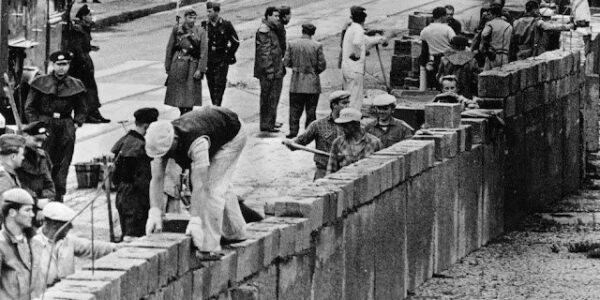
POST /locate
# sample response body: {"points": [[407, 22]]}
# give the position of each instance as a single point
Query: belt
{"points": [[58, 116]]}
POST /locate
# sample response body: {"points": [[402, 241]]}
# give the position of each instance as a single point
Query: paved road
{"points": [[131, 75]]}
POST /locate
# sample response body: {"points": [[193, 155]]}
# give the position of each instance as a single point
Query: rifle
{"points": [[8, 90]]}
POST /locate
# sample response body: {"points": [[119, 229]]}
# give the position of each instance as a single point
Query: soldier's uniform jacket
{"points": [[268, 62], [396, 131], [223, 41], [132, 173], [15, 267], [8, 181], [50, 98], [305, 57], [528, 35], [35, 173]]}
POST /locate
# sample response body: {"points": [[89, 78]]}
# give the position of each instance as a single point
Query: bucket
{"points": [[88, 175]]}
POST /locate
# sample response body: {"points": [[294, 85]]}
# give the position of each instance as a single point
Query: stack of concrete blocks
{"points": [[417, 21], [405, 61], [541, 99]]}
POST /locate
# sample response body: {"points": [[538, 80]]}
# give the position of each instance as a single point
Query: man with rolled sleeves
{"points": [[12, 149], [209, 142], [61, 246], [305, 57], [16, 257], [387, 128], [223, 42], [324, 131], [52, 99]]}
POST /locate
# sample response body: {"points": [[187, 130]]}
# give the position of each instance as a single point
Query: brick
{"points": [[310, 208], [390, 242], [358, 253], [329, 262], [152, 256], [250, 257], [135, 277], [102, 290], [479, 129], [493, 83], [420, 220], [446, 214], [446, 115], [244, 292], [295, 278]]}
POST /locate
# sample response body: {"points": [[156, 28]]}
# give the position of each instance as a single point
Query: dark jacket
{"points": [[49, 96], [463, 65], [268, 60], [35, 173], [132, 174], [223, 41]]}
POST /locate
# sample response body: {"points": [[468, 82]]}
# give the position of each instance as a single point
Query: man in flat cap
{"points": [[132, 175], [35, 171], [324, 131], [354, 145], [77, 39], [387, 128], [269, 69], [209, 142], [12, 149], [305, 57], [185, 63], [354, 53], [223, 42], [55, 250], [52, 99], [16, 257]]}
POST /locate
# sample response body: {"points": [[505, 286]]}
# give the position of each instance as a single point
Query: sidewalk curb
{"points": [[140, 13]]}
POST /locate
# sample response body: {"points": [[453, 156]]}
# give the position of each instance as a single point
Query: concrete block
{"points": [[54, 294], [541, 72], [426, 149], [530, 99], [244, 292], [345, 195], [271, 236], [479, 129], [354, 181], [328, 280], [176, 257], [295, 278], [493, 83], [553, 144], [572, 151], [300, 231], [358, 253], [266, 282], [446, 176], [312, 190], [250, 257], [310, 208], [113, 277], [419, 21], [575, 84], [446, 115], [181, 288], [468, 136], [515, 171], [365, 188], [519, 103], [493, 191], [470, 200], [152, 256], [102, 290], [218, 275], [537, 159], [174, 222], [420, 228], [446, 143], [398, 167], [590, 113], [460, 137], [391, 270], [415, 157], [201, 283], [550, 92], [490, 103], [135, 277]]}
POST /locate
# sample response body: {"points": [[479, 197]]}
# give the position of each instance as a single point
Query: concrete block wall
{"points": [[384, 225]]}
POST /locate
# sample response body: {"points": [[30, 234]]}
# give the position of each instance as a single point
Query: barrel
{"points": [[88, 175]]}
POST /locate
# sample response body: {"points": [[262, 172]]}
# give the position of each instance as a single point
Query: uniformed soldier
{"points": [[61, 246], [132, 175], [35, 171], [16, 258], [222, 44], [52, 99], [387, 128], [11, 157]]}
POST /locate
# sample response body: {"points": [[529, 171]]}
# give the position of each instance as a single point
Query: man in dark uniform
{"points": [[52, 99], [209, 141], [78, 41], [132, 175], [35, 171], [222, 44], [11, 158]]}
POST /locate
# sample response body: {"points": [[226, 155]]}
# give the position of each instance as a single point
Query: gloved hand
{"points": [[154, 223], [194, 229]]}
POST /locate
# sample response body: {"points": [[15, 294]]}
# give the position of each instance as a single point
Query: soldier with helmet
{"points": [[58, 100]]}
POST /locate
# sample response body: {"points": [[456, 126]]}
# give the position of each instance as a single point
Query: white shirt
{"points": [[437, 36], [356, 42]]}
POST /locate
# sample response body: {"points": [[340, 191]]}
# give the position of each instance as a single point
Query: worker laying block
{"points": [[209, 141]]}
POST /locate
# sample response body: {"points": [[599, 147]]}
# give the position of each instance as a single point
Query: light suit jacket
{"points": [[15, 270]]}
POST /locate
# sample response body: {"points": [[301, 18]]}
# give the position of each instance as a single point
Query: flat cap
{"points": [[354, 10], [58, 212], [60, 56], [337, 95], [189, 12], [146, 115], [349, 114], [309, 28], [82, 12], [159, 137], [11, 142], [384, 100], [285, 10], [17, 195], [213, 5], [35, 128]]}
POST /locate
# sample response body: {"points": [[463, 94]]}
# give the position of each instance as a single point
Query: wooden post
{"points": [[106, 182]]}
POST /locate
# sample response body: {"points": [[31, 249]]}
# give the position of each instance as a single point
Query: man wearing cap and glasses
{"points": [[12, 149], [324, 131], [223, 42], [16, 257], [52, 99], [209, 142], [305, 57], [55, 250], [354, 145], [387, 128], [35, 171]]}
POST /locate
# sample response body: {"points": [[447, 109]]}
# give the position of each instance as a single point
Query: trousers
{"points": [[353, 83], [299, 103], [216, 78], [270, 91], [220, 211], [60, 146]]}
